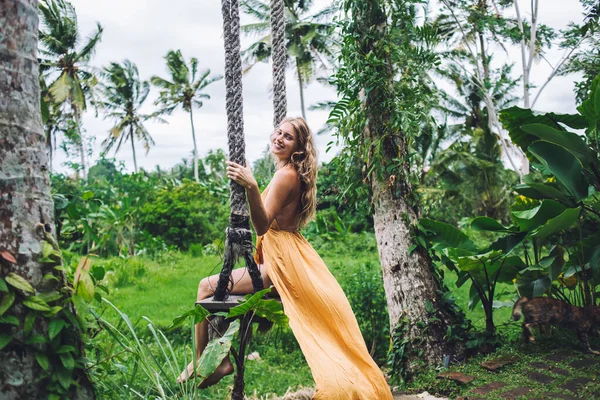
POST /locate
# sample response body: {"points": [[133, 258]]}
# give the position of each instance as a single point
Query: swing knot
{"points": [[238, 231]]}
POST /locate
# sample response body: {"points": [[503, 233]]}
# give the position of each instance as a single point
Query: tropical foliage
{"points": [[309, 38], [551, 246], [503, 199]]}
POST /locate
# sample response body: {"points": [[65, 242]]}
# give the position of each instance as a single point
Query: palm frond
{"points": [[87, 51]]}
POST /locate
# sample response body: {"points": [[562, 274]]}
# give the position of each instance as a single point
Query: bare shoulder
{"points": [[288, 175]]}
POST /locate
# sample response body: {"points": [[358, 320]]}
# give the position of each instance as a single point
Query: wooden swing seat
{"points": [[210, 304]]}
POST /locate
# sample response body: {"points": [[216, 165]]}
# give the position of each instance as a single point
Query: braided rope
{"points": [[238, 242], [234, 101], [278, 54]]}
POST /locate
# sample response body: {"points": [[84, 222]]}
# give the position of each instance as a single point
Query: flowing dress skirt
{"points": [[321, 318]]}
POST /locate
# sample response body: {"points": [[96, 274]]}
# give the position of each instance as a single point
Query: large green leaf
{"points": [[61, 87], [507, 269], [509, 242], [514, 118], [249, 304], [561, 222], [216, 350], [35, 303], [54, 327], [446, 234], [531, 219], [479, 261], [489, 224], [541, 191], [564, 165], [272, 310], [42, 359], [590, 108], [569, 140], [532, 284], [198, 314], [29, 321]]}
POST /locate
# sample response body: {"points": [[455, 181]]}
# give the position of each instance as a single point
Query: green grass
{"points": [[515, 375], [163, 290], [160, 291]]}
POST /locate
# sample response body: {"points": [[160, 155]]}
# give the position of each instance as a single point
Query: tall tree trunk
{"points": [[301, 85], [49, 146], [195, 147], [527, 64], [413, 294], [133, 148], [26, 208], [408, 279], [81, 142]]}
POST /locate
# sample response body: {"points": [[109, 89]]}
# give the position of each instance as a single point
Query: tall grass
{"points": [[152, 363]]}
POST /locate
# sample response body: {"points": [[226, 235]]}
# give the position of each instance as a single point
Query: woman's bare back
{"points": [[287, 218]]}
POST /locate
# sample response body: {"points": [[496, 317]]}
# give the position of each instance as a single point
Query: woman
{"points": [[318, 311]]}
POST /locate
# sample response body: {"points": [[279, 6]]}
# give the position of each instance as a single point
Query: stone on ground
{"points": [[495, 364], [456, 376]]}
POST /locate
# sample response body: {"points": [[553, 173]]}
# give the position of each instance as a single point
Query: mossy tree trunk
{"points": [[26, 207], [390, 105]]}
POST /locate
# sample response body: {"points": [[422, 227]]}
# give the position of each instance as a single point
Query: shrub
{"points": [[365, 292], [196, 250], [185, 214]]}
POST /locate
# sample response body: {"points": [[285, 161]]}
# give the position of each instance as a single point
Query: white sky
{"points": [[144, 31]]}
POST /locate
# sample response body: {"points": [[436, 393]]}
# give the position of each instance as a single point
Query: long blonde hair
{"points": [[304, 161]]}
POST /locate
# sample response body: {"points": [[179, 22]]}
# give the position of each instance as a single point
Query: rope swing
{"points": [[238, 242]]}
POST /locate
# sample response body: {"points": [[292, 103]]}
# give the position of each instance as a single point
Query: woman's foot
{"points": [[226, 368], [187, 373]]}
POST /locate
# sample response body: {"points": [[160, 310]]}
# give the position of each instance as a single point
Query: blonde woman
{"points": [[318, 311]]}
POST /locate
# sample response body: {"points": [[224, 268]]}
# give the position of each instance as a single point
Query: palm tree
{"points": [[309, 40], [27, 218], [65, 63], [122, 97], [183, 90], [52, 119], [469, 173], [470, 27]]}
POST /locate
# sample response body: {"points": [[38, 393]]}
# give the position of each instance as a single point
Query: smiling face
{"points": [[284, 142]]}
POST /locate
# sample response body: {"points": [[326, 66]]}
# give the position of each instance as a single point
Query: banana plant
{"points": [[552, 245], [483, 267], [564, 185]]}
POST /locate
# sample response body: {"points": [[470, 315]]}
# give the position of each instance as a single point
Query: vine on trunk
{"points": [[51, 327]]}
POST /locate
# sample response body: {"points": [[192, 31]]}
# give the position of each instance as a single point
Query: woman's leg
{"points": [[242, 285]]}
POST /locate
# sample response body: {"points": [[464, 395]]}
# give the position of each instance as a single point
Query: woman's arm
{"points": [[280, 188]]}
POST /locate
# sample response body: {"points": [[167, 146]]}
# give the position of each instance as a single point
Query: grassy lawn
{"points": [[163, 290], [532, 358]]}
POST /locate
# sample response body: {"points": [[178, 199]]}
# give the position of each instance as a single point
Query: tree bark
{"points": [[131, 136], [409, 281], [81, 143], [26, 207], [195, 147], [301, 84]]}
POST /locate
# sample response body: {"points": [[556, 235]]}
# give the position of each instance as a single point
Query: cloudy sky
{"points": [[144, 31]]}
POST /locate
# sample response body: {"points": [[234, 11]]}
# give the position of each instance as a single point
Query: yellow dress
{"points": [[321, 318]]}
